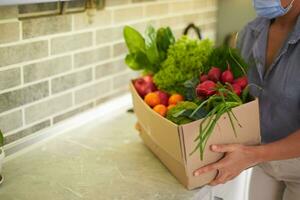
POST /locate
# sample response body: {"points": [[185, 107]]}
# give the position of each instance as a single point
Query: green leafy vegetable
{"points": [[147, 53], [185, 61], [164, 39], [137, 61], [189, 89], [134, 40], [181, 113], [151, 46]]}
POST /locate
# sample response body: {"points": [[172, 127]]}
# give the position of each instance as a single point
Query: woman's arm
{"points": [[240, 157]]}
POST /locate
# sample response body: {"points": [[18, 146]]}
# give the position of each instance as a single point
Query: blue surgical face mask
{"points": [[271, 8]]}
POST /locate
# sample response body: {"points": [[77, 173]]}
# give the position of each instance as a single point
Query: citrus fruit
{"points": [[171, 106], [161, 109], [152, 99], [175, 99]]}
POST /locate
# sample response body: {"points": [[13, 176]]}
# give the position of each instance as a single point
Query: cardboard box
{"points": [[172, 143]]}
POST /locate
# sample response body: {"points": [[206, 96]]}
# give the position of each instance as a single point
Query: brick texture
{"points": [[56, 67]]}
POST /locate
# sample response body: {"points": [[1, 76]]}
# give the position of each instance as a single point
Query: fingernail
{"points": [[214, 147], [196, 173]]}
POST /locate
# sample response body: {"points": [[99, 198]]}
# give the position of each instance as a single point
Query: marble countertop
{"points": [[98, 161]]}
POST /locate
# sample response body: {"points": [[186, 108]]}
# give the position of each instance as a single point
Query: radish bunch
{"points": [[208, 82]]}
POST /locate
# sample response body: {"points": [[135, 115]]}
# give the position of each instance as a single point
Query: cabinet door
{"points": [[17, 2]]}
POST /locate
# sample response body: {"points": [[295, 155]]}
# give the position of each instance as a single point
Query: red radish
{"points": [[227, 76], [164, 97], [203, 78], [237, 89], [214, 74], [242, 81], [143, 87], [205, 89]]}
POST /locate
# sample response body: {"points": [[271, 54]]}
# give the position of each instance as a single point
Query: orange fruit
{"points": [[161, 109], [152, 99], [171, 106], [175, 99]]}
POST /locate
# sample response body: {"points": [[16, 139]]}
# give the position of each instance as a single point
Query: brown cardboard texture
{"points": [[173, 143]]}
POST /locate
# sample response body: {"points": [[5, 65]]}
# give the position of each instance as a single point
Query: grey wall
{"points": [[233, 15]]}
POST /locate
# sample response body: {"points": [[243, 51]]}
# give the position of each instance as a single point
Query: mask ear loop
{"points": [[290, 6]]}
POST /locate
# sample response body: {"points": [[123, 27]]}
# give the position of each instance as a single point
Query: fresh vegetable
{"points": [[237, 89], [189, 90], [164, 39], [144, 85], [206, 89], [136, 59], [185, 61], [175, 99], [152, 99], [190, 79], [203, 78], [147, 53], [214, 74], [161, 109], [163, 97], [227, 76], [222, 56], [220, 104], [174, 114], [242, 81]]}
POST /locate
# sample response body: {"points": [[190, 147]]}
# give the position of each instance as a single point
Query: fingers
{"points": [[208, 168], [221, 178], [223, 148]]}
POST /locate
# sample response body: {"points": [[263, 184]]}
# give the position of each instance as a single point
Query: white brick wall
{"points": [[76, 59]]}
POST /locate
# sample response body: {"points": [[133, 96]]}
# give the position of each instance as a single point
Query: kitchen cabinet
{"points": [[19, 2]]}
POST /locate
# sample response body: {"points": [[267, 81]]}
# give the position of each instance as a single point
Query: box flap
{"points": [[163, 132]]}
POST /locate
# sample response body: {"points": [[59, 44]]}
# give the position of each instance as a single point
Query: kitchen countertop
{"points": [[97, 161]]}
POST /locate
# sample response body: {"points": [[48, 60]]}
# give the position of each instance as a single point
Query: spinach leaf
{"points": [[147, 53], [201, 113], [190, 91], [134, 40], [137, 61], [164, 39], [151, 47]]}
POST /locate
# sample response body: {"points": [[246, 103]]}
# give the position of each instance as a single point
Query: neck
{"points": [[291, 17]]}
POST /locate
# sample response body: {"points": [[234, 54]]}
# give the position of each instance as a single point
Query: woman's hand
{"points": [[237, 158]]}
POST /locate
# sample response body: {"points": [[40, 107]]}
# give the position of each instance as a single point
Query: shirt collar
{"points": [[295, 37], [259, 23]]}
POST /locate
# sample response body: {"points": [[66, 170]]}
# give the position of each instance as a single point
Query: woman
{"points": [[271, 44]]}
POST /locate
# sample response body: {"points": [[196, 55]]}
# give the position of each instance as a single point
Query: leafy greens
{"points": [[147, 53], [186, 60]]}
